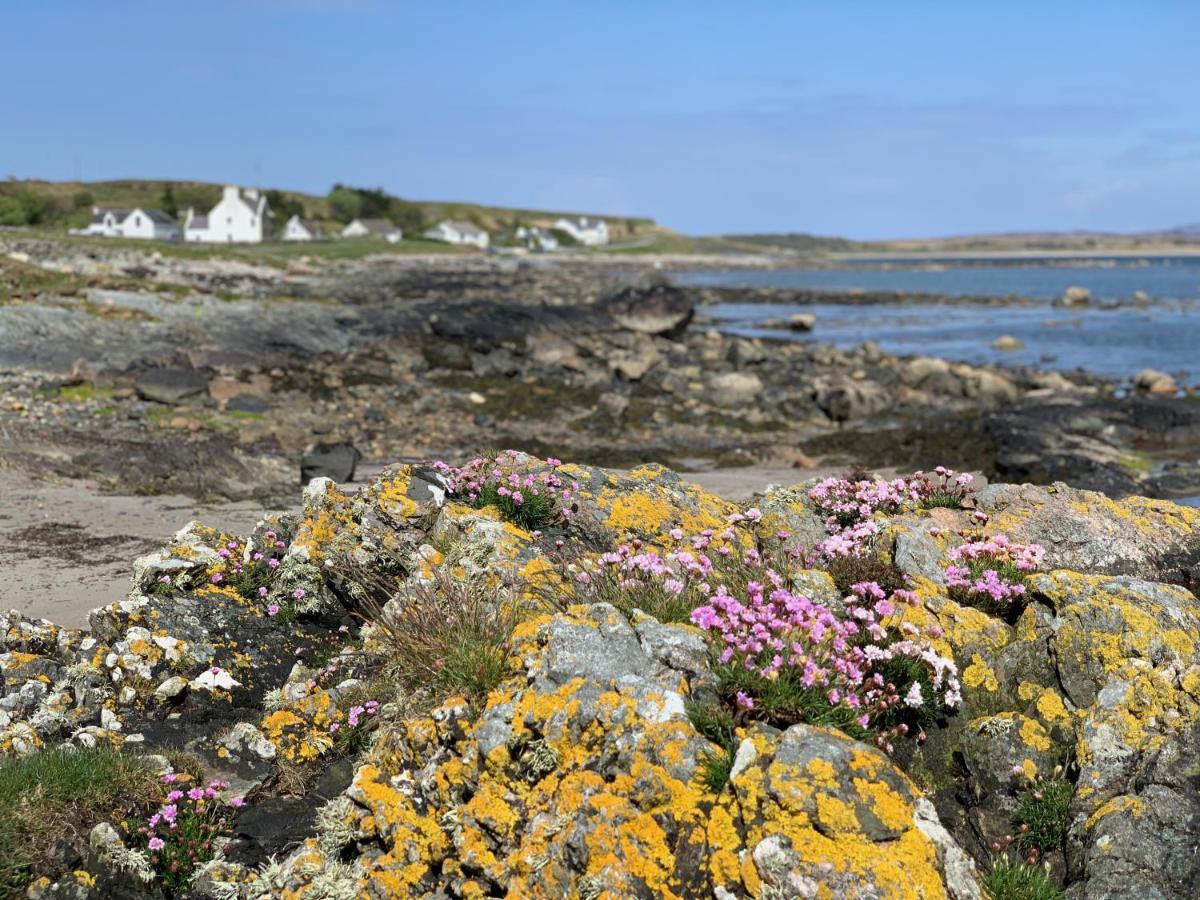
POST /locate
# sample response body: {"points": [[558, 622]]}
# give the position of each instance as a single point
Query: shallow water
{"points": [[1174, 277], [1113, 342]]}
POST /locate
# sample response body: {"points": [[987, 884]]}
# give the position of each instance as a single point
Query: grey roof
{"points": [[198, 222], [99, 212], [464, 227], [379, 226], [308, 225], [157, 215]]}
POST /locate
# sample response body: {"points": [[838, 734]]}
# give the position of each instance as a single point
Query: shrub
{"points": [[445, 636], [990, 573], [57, 795], [526, 493]]}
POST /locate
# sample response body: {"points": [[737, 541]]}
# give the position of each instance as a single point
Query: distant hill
{"points": [[68, 203], [793, 243]]}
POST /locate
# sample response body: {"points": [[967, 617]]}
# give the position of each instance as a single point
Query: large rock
{"points": [[336, 460], [734, 389], [658, 310], [170, 386]]}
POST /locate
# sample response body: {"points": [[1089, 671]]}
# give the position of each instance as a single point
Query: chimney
{"points": [[231, 191]]}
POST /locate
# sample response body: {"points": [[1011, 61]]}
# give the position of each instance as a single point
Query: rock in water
{"points": [[661, 310], [170, 385], [1007, 342], [1155, 382], [1075, 296], [337, 461], [801, 322]]}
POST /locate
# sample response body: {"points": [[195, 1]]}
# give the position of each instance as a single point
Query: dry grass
{"points": [[446, 636]]}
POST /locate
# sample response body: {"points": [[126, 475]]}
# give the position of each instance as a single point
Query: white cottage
{"points": [[298, 229], [150, 224], [142, 222], [373, 228], [241, 217], [589, 232], [106, 221], [456, 232]]}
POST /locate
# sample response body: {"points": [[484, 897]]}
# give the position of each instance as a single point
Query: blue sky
{"points": [[863, 119]]}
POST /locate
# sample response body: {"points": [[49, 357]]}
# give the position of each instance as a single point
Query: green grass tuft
{"points": [[1009, 880], [1045, 809], [534, 514], [61, 794]]}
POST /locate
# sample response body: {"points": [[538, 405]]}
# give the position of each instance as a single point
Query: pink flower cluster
{"points": [[249, 572], [850, 506], [354, 717], [694, 566], [737, 588], [990, 572], [510, 477], [180, 835], [772, 632]]}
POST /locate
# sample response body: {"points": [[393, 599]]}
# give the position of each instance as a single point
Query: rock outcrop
{"points": [[583, 769]]}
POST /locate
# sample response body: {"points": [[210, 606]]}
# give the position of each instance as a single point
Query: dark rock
{"points": [[337, 461], [170, 385], [661, 310], [248, 403]]}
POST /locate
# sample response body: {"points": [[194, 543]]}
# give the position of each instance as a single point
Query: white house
{"points": [[298, 229], [373, 228], [142, 222], [456, 232], [150, 224], [242, 216], [106, 221], [537, 238], [589, 232]]}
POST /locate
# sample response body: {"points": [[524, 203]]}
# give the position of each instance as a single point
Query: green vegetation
{"points": [[60, 794], [20, 280], [81, 393], [716, 724], [1044, 815], [24, 207], [1007, 879], [850, 570]]}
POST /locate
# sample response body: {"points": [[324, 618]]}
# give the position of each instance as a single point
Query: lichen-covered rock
{"points": [[582, 774]]}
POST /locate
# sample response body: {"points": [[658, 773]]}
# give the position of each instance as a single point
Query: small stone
{"points": [[801, 322], [1007, 342], [171, 688], [1155, 382]]}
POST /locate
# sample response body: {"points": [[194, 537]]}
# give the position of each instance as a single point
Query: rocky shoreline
{"points": [[519, 677], [211, 378]]}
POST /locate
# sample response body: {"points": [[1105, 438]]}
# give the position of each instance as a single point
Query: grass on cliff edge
{"points": [[59, 794]]}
